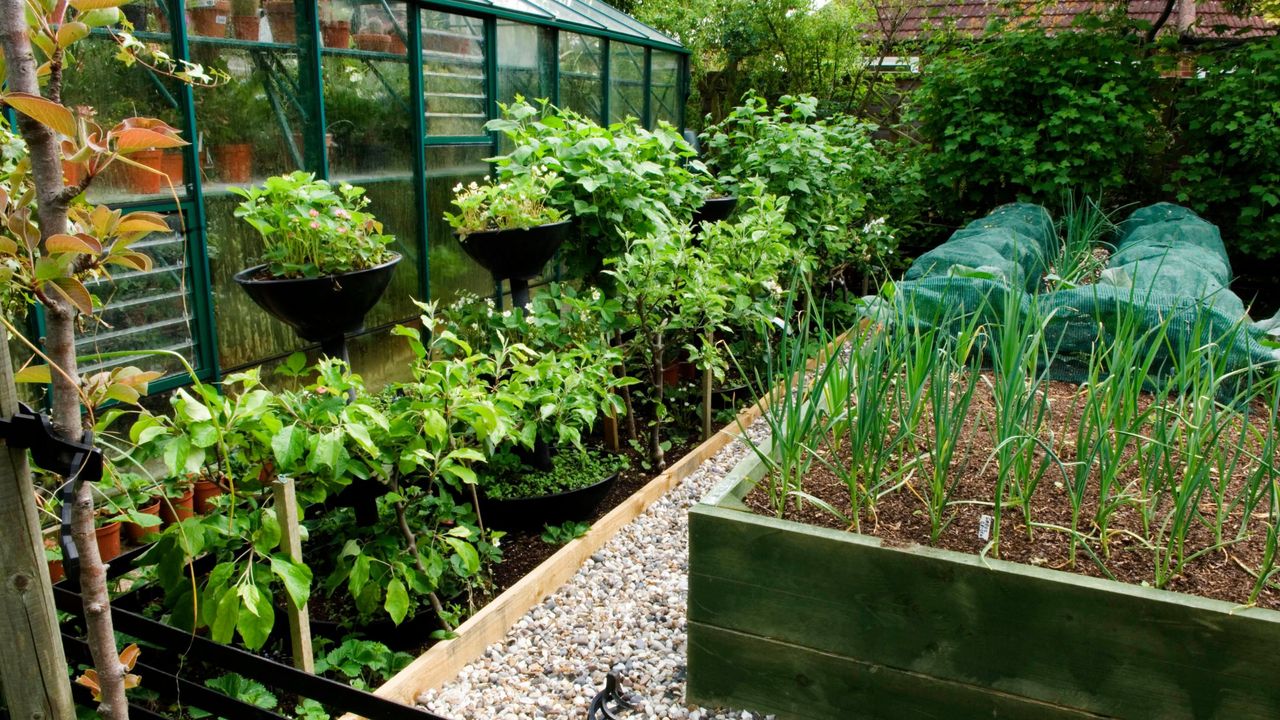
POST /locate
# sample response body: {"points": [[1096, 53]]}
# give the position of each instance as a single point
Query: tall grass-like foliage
{"points": [[1020, 360], [794, 411]]}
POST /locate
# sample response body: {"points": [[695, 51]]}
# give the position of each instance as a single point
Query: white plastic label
{"points": [[984, 527]]}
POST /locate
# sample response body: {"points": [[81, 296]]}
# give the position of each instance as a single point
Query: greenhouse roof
{"points": [[591, 17]]}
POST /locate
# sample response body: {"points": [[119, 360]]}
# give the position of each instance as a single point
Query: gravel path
{"points": [[624, 610]]}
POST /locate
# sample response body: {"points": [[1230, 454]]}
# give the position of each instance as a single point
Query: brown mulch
{"points": [[900, 517]]}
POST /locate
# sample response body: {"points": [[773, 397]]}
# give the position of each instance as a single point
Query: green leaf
{"points": [[255, 626], [466, 552], [397, 604], [288, 445], [267, 537], [296, 578], [226, 616], [359, 575]]}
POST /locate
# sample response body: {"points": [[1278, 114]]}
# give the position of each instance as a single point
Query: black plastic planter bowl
{"points": [[714, 210], [534, 512], [319, 309], [518, 254]]}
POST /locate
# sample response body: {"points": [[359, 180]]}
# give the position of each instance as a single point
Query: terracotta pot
{"points": [[173, 163], [280, 17], [145, 182], [336, 33], [671, 374], [138, 535], [245, 27], [397, 45], [56, 572], [108, 541], [174, 510], [209, 17], [372, 42], [234, 162], [205, 491]]}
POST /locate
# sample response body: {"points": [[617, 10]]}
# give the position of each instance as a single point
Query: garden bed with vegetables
{"points": [[937, 523]]}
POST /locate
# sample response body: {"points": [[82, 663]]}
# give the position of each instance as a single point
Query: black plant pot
{"points": [[727, 398], [714, 210], [319, 309], [516, 255], [533, 512]]}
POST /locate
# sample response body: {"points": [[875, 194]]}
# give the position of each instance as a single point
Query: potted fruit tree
{"points": [[326, 259], [510, 227]]}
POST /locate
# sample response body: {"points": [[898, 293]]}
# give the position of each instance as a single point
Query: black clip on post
{"points": [[77, 462]]}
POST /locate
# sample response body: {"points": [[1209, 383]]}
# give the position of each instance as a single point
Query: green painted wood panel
{"points": [[730, 669], [1063, 639]]}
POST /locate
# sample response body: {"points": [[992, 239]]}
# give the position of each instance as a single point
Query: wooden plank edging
{"points": [[444, 660]]}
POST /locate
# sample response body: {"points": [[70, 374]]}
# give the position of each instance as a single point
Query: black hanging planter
{"points": [[714, 210], [516, 254], [322, 309], [533, 512]]}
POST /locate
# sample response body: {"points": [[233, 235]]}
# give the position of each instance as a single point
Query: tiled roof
{"points": [[907, 19]]}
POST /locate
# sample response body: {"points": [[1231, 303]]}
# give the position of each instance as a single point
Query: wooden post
{"points": [[33, 668], [610, 428], [291, 545]]}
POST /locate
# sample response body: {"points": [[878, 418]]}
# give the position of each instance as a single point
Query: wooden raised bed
{"points": [[808, 622]]}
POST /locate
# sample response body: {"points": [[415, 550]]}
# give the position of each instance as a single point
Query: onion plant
{"points": [[952, 382], [1020, 358], [793, 411]]}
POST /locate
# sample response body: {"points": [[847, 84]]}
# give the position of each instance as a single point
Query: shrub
{"points": [[827, 167], [1026, 115], [1229, 123], [618, 179]]}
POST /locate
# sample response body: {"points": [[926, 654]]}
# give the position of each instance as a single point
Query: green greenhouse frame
{"points": [[315, 103]]}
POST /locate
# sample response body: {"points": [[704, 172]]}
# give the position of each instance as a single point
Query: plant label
{"points": [[984, 528]]}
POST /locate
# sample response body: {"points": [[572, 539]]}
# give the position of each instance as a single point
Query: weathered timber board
{"points": [[1062, 639], [727, 668]]}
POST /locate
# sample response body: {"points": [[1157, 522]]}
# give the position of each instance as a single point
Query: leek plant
{"points": [[1082, 230], [1020, 359], [952, 383], [794, 412], [863, 427]]}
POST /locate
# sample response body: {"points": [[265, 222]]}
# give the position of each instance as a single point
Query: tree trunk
{"points": [[51, 214]]}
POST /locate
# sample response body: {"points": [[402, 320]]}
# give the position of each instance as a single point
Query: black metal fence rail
{"points": [[194, 648]]}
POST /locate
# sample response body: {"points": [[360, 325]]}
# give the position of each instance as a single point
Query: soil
{"points": [[899, 518], [523, 550]]}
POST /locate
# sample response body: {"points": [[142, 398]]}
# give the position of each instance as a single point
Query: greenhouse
{"points": [[329, 88]]}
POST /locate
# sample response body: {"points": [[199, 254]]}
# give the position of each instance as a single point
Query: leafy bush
{"points": [[826, 167], [312, 228], [618, 179], [521, 202], [1027, 115], [1229, 123]]}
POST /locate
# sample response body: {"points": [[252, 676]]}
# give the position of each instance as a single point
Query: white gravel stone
{"points": [[624, 610]]}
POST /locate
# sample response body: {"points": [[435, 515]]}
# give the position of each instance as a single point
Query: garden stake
{"points": [[291, 544]]}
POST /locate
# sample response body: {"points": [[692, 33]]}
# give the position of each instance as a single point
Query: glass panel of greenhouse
{"points": [[391, 95]]}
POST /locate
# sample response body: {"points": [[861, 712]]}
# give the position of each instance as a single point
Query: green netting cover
{"points": [[1169, 265]]}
